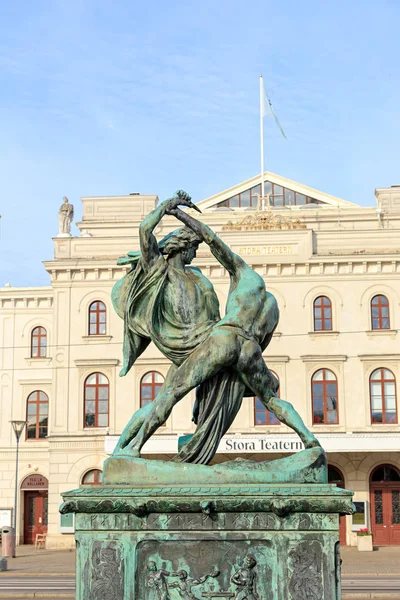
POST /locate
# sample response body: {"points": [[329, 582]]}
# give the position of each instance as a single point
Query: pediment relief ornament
{"points": [[264, 220]]}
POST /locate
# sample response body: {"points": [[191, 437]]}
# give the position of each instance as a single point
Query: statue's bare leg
{"points": [[140, 415], [220, 350], [258, 378]]}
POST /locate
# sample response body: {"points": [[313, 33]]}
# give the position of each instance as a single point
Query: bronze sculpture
{"points": [[176, 307], [197, 517]]}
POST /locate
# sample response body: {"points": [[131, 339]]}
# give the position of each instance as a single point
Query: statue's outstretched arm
{"points": [[221, 251], [148, 242]]}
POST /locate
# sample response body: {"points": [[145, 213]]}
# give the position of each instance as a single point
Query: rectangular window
{"points": [[245, 199], [277, 195], [289, 197], [300, 199]]}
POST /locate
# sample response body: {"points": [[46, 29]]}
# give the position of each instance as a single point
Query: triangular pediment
{"points": [[280, 192]]}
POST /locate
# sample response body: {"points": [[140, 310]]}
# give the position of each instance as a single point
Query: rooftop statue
{"points": [[65, 217], [164, 300]]}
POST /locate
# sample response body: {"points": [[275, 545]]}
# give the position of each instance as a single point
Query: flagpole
{"points": [[262, 141]]}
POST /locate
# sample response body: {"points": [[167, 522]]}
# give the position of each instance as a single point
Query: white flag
{"points": [[267, 110]]}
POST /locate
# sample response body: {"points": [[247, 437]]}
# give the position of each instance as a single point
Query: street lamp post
{"points": [[18, 427]]}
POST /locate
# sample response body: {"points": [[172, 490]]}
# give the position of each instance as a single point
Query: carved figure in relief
{"points": [[262, 220], [65, 216], [233, 345], [157, 580], [245, 580], [107, 573], [305, 582], [185, 584]]}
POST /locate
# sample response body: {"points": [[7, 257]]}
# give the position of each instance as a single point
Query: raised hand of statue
{"points": [[181, 198]]}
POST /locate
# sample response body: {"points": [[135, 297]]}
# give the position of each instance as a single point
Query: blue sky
{"points": [[101, 98]]}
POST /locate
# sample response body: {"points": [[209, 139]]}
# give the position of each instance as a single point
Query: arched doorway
{"points": [[335, 476], [385, 505], [35, 490]]}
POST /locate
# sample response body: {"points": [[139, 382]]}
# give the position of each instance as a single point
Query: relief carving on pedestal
{"points": [[107, 572], [338, 571], [306, 579], [244, 579]]}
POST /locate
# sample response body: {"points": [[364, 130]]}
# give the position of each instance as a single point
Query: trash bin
{"points": [[8, 541], [3, 564]]}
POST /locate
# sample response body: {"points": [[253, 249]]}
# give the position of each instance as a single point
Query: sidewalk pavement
{"points": [[385, 560], [32, 562]]}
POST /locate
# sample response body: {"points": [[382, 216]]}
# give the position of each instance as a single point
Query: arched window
{"points": [[38, 342], [93, 477], [380, 312], [150, 385], [382, 389], [97, 318], [97, 391], [335, 476], [37, 415], [263, 416], [385, 473], [322, 314], [324, 397]]}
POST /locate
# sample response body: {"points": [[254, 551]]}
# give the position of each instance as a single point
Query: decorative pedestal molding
{"points": [[273, 541]]}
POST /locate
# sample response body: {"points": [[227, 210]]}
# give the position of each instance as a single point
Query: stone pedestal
{"points": [[254, 541]]}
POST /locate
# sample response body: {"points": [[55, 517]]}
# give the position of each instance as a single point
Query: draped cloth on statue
{"points": [[139, 298], [218, 401]]}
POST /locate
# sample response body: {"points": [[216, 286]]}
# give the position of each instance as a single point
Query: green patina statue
{"points": [[163, 300], [240, 530]]}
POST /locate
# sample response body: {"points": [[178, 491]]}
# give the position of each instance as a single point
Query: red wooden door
{"points": [[35, 516], [394, 515], [385, 505], [379, 516], [385, 515]]}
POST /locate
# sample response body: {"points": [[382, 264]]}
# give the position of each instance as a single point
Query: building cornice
{"points": [[35, 380], [381, 357], [30, 302], [34, 453], [26, 292], [276, 358], [327, 266], [324, 358], [96, 362]]}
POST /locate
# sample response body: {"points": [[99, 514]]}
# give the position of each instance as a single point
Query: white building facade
{"points": [[334, 268]]}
